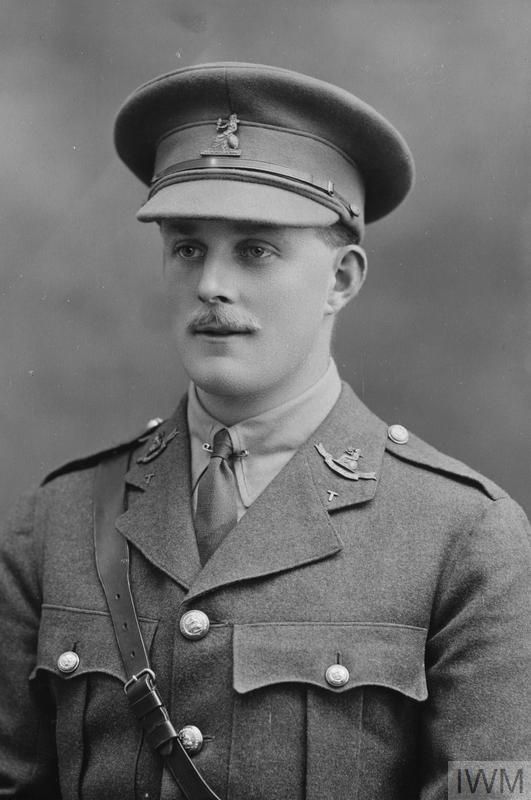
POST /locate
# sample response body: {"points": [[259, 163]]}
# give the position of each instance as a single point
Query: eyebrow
{"points": [[179, 226]]}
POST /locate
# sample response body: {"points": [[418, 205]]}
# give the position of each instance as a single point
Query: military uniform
{"points": [[368, 618], [413, 588]]}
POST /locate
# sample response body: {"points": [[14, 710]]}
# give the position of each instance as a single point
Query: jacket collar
{"points": [[290, 523], [350, 424]]}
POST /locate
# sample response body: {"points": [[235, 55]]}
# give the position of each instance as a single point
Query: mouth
{"points": [[220, 331]]}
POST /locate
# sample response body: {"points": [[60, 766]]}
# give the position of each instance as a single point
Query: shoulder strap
{"points": [[87, 462], [112, 562]]}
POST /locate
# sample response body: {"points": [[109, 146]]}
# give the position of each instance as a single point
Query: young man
{"points": [[330, 608]]}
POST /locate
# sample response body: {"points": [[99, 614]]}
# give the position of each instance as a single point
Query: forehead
{"points": [[231, 229]]}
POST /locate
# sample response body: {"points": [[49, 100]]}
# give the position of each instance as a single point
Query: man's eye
{"points": [[254, 251], [188, 251]]}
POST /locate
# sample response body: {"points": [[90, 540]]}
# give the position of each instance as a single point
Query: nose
{"points": [[217, 281]]}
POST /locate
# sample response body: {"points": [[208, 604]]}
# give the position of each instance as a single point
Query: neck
{"points": [[229, 410]]}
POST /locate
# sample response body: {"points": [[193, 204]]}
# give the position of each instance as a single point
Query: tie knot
{"points": [[222, 445]]}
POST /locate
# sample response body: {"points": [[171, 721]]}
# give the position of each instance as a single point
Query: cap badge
{"points": [[347, 464], [226, 141], [159, 443]]}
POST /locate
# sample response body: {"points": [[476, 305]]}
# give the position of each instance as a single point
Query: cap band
{"points": [[260, 154]]}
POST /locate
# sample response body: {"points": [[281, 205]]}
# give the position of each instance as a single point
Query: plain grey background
{"points": [[439, 339]]}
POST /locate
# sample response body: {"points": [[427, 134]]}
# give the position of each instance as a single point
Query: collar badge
{"points": [[159, 443], [226, 140], [347, 464]]}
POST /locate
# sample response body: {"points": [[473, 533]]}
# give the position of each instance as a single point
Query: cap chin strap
{"points": [[246, 170]]}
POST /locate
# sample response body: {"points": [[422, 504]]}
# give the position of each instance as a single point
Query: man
{"points": [[330, 607]]}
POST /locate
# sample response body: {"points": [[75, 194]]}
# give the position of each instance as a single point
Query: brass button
{"points": [[398, 434], [194, 624], [68, 661], [337, 675], [154, 423], [191, 739]]}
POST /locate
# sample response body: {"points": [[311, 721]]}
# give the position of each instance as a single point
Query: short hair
{"points": [[338, 235]]}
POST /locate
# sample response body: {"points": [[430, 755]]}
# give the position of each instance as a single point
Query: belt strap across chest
{"points": [[112, 562]]}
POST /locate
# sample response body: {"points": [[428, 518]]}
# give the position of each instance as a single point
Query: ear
{"points": [[349, 272]]}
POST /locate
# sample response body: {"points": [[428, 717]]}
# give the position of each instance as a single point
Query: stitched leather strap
{"points": [[112, 563]]}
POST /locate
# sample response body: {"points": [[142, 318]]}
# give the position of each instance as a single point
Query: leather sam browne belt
{"points": [[112, 562]]}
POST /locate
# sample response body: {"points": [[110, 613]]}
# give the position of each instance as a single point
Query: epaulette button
{"points": [[154, 423], [398, 434]]}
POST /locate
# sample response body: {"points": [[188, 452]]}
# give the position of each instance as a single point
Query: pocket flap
{"points": [[89, 634], [374, 653]]}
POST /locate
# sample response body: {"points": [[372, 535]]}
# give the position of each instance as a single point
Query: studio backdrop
{"points": [[439, 339]]}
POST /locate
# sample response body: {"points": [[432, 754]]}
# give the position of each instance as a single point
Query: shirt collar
{"points": [[270, 439]]}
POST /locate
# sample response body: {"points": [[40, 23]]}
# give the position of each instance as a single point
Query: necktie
{"points": [[216, 511]]}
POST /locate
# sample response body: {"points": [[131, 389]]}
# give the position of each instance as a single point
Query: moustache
{"points": [[222, 318]]}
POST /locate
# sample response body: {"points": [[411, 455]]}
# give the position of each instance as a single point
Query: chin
{"points": [[224, 380]]}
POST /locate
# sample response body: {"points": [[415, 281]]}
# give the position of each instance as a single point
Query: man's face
{"points": [[250, 305]]}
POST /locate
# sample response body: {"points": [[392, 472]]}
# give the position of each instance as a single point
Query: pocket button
{"points": [[337, 675], [68, 661]]}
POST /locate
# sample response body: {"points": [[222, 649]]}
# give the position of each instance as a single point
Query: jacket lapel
{"points": [[290, 524], [285, 527], [159, 518]]}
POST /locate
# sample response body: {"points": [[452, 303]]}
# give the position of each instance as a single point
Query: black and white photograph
{"points": [[265, 315]]}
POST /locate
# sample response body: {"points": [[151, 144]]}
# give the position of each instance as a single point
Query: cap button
{"points": [[194, 624], [191, 739], [68, 661], [398, 434], [337, 675]]}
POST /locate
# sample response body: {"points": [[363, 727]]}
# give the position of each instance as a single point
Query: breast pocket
{"points": [[97, 736], [319, 699]]}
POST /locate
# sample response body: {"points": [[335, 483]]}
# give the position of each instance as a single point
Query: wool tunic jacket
{"points": [[417, 582]]}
